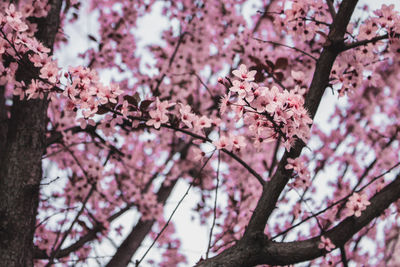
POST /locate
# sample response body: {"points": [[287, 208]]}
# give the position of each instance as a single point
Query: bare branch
{"points": [[215, 207], [331, 8], [367, 41], [291, 47], [343, 254]]}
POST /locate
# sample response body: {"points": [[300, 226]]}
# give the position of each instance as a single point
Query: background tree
{"points": [[227, 106]]}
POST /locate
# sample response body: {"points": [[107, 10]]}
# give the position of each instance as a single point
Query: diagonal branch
{"points": [[273, 188], [331, 8], [308, 249], [258, 249], [366, 41], [288, 46], [132, 242]]}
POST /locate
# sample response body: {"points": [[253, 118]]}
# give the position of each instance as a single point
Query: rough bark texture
{"points": [[20, 161], [3, 119]]}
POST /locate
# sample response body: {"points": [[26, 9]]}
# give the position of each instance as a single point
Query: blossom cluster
{"points": [[16, 40], [126, 165], [270, 113], [85, 91], [356, 204], [159, 116], [82, 89], [302, 179], [193, 121], [302, 19], [230, 142]]}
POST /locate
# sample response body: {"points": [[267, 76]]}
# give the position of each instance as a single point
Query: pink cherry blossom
{"points": [[187, 116], [238, 142], [243, 74], [157, 118], [202, 122], [14, 18], [356, 204], [223, 142], [326, 244], [224, 103]]}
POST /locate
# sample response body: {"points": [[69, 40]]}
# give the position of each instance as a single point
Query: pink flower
{"points": [[224, 103], [303, 175], [198, 154], [243, 74], [124, 109], [294, 164], [223, 143], [14, 19], [238, 142], [49, 72], [326, 244], [187, 116], [356, 204], [163, 105], [157, 118], [241, 87], [115, 91], [203, 122], [298, 76], [34, 90]]}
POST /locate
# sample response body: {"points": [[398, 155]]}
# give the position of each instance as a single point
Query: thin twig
{"points": [[331, 8], [156, 89], [52, 181], [367, 41], [291, 47], [54, 254], [201, 81], [343, 254], [137, 263], [215, 207], [89, 194]]}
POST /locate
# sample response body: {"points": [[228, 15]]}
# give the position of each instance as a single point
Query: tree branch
{"points": [[125, 251], [331, 8], [367, 41], [288, 46], [258, 249], [273, 188]]}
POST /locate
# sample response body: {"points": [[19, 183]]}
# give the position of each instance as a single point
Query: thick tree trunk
{"points": [[20, 162]]}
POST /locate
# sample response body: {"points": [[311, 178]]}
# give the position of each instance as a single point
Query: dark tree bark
{"points": [[22, 146]]}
